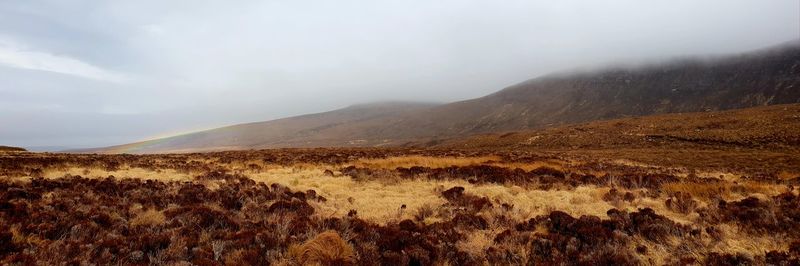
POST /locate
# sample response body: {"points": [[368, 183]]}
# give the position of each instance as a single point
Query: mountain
{"points": [[765, 77], [10, 148], [314, 130], [770, 76]]}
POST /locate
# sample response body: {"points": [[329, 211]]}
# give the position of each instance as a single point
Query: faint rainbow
{"points": [[152, 140]]}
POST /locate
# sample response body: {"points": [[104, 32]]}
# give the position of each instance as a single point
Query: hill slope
{"points": [[756, 79], [774, 127], [313, 130], [766, 77], [10, 148]]}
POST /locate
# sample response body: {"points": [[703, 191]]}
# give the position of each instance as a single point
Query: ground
{"points": [[402, 206]]}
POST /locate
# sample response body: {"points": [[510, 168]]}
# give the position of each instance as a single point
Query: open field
{"points": [[398, 206]]}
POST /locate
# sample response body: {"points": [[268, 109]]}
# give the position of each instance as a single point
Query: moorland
{"points": [[653, 196]]}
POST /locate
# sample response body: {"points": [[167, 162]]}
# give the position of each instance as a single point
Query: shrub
{"points": [[327, 248], [681, 202], [471, 203], [295, 206]]}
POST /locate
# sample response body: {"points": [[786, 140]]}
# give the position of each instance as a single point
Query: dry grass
{"points": [[374, 200], [555, 164], [628, 162], [583, 200], [327, 248], [736, 241], [657, 204], [428, 161], [698, 190], [379, 201], [19, 238], [726, 191], [657, 254], [149, 217], [786, 175], [725, 176], [477, 242], [164, 175]]}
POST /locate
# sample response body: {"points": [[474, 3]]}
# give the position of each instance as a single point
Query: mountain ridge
{"points": [[763, 77]]}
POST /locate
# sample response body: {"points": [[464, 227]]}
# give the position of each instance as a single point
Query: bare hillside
{"points": [[760, 78], [771, 127]]}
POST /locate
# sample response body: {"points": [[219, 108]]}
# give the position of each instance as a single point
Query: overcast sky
{"points": [[86, 73]]}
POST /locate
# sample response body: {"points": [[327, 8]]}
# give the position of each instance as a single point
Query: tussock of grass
{"points": [[327, 248], [477, 242], [736, 241], [149, 217]]}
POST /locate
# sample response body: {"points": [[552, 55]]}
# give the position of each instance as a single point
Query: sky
{"points": [[89, 73]]}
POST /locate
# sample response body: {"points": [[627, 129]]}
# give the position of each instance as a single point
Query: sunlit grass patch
{"points": [[382, 202], [724, 190], [164, 175]]}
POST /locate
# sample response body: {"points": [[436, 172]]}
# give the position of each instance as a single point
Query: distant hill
{"points": [[766, 77], [9, 148], [339, 128], [775, 127]]}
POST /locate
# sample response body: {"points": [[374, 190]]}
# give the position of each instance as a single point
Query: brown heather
{"points": [[389, 207]]}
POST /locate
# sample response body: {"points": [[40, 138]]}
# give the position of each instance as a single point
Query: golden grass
{"points": [[477, 242], [725, 176], [657, 204], [657, 254], [628, 162], [374, 200], [16, 179], [327, 248], [733, 242], [736, 241], [381, 202], [235, 258], [699, 190], [149, 217], [428, 161], [583, 200], [21, 239], [164, 175], [786, 175], [727, 191], [555, 164]]}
